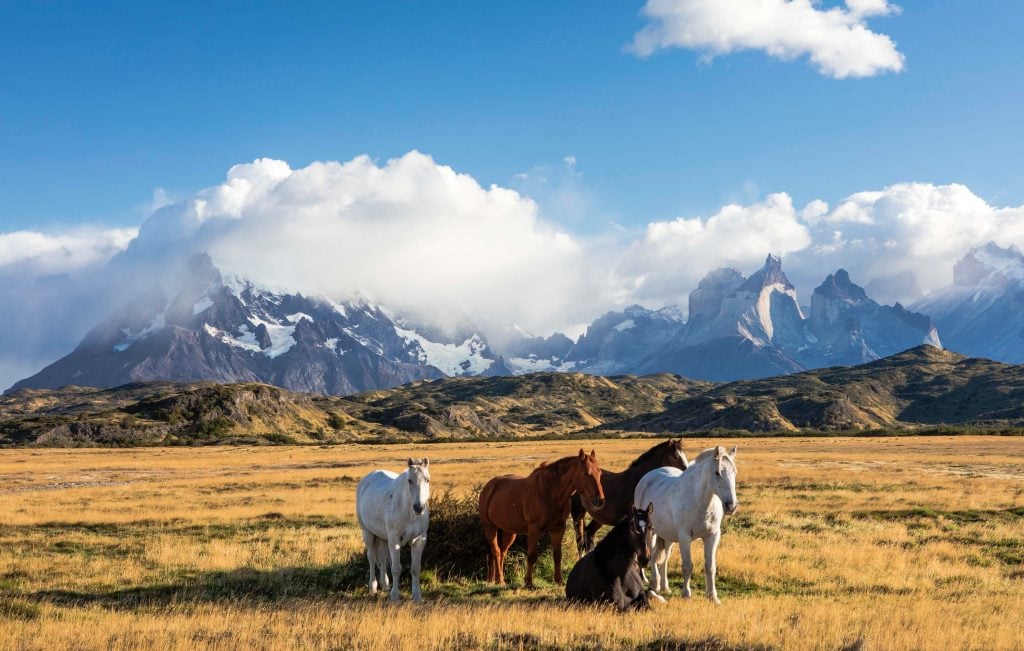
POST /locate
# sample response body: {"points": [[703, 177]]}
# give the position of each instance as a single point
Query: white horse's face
{"points": [[419, 484], [724, 480]]}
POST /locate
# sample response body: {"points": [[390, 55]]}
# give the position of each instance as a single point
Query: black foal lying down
{"points": [[610, 573]]}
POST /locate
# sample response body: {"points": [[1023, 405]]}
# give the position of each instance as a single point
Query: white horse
{"points": [[392, 512], [689, 505]]}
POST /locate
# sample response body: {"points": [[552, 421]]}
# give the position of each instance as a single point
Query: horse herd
{"points": [[660, 500]]}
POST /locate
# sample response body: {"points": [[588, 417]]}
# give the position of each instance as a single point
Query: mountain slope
{"points": [[921, 386], [450, 408], [205, 326], [982, 312], [924, 385]]}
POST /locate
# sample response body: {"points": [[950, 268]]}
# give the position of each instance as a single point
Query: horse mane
{"points": [[647, 456], [711, 453], [557, 465]]}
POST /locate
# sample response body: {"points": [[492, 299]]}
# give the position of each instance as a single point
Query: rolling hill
{"points": [[923, 386]]}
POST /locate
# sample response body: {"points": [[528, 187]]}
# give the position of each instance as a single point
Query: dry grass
{"points": [[900, 543]]}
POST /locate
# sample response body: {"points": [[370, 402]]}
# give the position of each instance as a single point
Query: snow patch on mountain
{"points": [[281, 339], [534, 364], [466, 358], [203, 305], [130, 338]]}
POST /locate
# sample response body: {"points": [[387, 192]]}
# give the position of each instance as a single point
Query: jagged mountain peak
{"points": [[722, 278], [839, 286], [770, 274], [989, 264]]}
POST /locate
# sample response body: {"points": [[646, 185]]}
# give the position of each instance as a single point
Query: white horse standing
{"points": [[392, 512], [689, 505]]}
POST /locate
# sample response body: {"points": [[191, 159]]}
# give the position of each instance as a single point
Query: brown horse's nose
{"points": [[599, 502]]}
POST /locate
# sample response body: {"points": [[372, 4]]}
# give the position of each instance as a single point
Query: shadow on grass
{"points": [[346, 580], [242, 584]]}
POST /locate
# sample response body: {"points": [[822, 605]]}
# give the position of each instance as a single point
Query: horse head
{"points": [[723, 482], [675, 455], [419, 483], [588, 482], [641, 533]]}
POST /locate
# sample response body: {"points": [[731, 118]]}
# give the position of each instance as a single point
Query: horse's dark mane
{"points": [[558, 465], [650, 454]]}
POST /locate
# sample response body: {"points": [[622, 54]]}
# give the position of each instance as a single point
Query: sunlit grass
{"points": [[900, 543]]}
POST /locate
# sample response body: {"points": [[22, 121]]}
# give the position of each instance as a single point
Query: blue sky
{"points": [[101, 103]]}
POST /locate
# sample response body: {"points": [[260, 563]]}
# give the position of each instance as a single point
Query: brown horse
{"points": [[535, 505], [618, 491]]}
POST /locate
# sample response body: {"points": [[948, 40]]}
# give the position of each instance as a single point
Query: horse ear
{"points": [[411, 462], [732, 453], [593, 454], [650, 509], [426, 461], [718, 451], [583, 455]]}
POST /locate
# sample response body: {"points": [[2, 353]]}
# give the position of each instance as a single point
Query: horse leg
{"points": [[507, 538], [533, 542], [396, 568], [657, 564], [370, 541], [685, 553], [592, 528], [664, 567], [491, 534], [382, 563], [556, 552], [619, 597], [417, 557], [579, 513], [635, 593], [710, 566]]}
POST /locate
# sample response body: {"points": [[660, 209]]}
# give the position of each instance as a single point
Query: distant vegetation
{"points": [[921, 391]]}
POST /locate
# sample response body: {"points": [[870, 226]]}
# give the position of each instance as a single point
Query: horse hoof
{"points": [[651, 594], [395, 598]]}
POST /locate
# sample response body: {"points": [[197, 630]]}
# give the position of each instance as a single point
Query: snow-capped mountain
{"points": [[205, 325], [750, 327], [848, 328], [616, 342], [982, 313], [210, 326]]}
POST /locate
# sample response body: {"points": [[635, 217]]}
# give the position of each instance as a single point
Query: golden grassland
{"points": [[879, 543]]}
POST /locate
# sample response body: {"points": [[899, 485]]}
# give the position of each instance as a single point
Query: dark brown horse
{"points": [[618, 491], [511, 505]]}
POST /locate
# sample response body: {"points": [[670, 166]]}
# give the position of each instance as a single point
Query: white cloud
{"points": [[919, 228], [837, 40], [410, 232], [672, 256], [418, 235], [61, 251]]}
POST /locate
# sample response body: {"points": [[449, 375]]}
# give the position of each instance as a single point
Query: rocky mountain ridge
{"points": [[921, 387]]}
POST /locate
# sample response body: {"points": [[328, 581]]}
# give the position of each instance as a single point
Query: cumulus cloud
{"points": [[409, 232], [920, 229], [56, 252], [672, 256], [420, 236], [902, 240], [53, 286], [837, 40]]}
